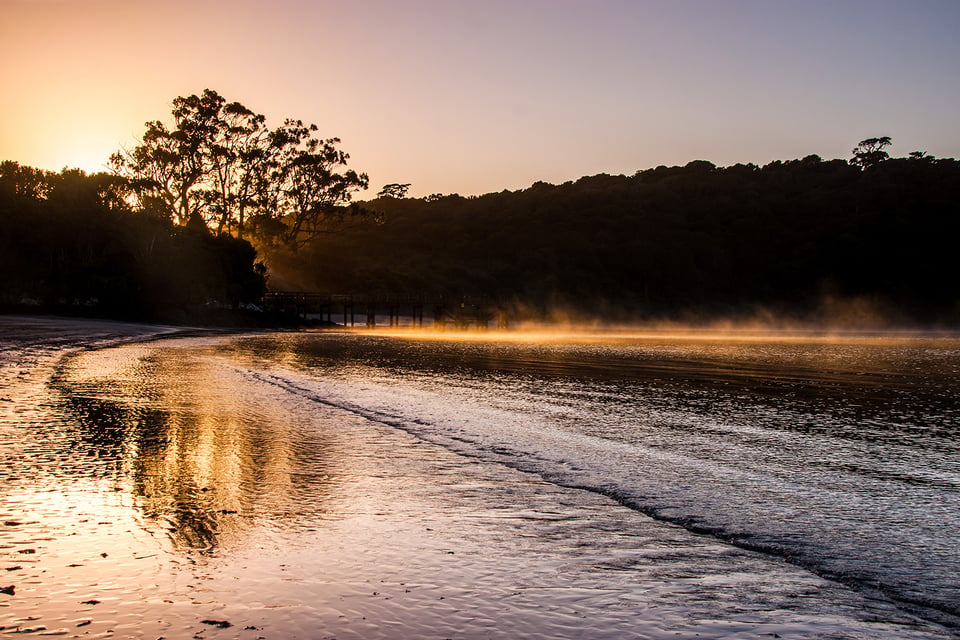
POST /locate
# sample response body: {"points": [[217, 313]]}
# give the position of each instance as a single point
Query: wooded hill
{"points": [[669, 241], [179, 226], [69, 243]]}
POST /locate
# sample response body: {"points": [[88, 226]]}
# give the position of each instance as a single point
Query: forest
{"points": [[206, 213], [791, 237], [71, 244]]}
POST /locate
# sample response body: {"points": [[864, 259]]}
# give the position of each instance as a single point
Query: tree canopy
{"points": [[694, 238], [167, 230], [70, 242], [870, 152], [218, 164]]}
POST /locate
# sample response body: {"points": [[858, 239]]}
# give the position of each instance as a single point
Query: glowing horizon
{"points": [[471, 97]]}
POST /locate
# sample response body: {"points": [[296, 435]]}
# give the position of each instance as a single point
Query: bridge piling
{"points": [[462, 313]]}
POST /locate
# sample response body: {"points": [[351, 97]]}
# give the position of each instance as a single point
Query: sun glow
{"points": [[79, 155], [84, 147]]}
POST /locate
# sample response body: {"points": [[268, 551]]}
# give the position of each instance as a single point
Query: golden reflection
{"points": [[767, 363], [202, 458], [207, 450]]}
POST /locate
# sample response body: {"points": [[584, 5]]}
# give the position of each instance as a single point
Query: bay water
{"points": [[484, 485]]}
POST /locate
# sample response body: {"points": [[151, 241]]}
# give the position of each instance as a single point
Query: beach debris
{"points": [[84, 623], [12, 523], [104, 554], [27, 551], [223, 624], [8, 590], [15, 567], [90, 602]]}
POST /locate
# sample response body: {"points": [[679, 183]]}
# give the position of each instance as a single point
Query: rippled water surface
{"points": [[354, 485]]}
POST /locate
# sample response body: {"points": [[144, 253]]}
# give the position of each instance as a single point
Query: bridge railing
{"points": [[396, 310]]}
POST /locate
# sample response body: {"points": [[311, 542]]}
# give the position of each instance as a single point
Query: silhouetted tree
{"points": [[667, 240], [71, 242], [18, 182], [220, 165], [309, 191], [394, 190], [168, 171], [241, 159], [870, 152]]}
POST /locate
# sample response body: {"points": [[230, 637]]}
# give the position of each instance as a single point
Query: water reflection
{"points": [[205, 464], [875, 388], [231, 449], [840, 455]]}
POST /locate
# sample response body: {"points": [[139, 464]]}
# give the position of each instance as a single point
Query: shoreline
{"points": [[721, 327]]}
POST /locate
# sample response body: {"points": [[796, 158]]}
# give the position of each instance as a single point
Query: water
{"points": [[357, 485], [842, 456]]}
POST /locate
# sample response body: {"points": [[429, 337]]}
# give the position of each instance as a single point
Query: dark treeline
{"points": [[69, 242], [671, 241], [173, 232], [163, 235]]}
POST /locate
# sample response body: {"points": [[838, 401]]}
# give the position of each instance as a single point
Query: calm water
{"points": [[377, 486]]}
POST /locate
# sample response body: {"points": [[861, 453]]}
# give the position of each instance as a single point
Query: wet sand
{"points": [[157, 490]]}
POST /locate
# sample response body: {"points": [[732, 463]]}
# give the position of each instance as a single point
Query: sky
{"points": [[477, 96]]}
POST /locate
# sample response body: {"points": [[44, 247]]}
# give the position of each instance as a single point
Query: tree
{"points": [[70, 240], [870, 152], [22, 183], [394, 190], [168, 170], [219, 165], [308, 190], [241, 159]]}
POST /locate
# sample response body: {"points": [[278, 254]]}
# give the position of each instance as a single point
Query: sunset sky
{"points": [[471, 96]]}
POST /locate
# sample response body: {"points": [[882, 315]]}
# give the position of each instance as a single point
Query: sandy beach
{"points": [[158, 490]]}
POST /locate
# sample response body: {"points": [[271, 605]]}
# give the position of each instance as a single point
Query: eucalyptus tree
{"points": [[220, 165], [168, 171], [309, 185], [19, 182], [870, 152], [394, 190], [240, 156]]}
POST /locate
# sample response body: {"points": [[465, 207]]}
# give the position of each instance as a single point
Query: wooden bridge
{"points": [[388, 310]]}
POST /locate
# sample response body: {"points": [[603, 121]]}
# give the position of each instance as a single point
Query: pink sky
{"points": [[478, 96]]}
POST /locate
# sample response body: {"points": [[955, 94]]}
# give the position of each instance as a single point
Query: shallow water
{"points": [[322, 485]]}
